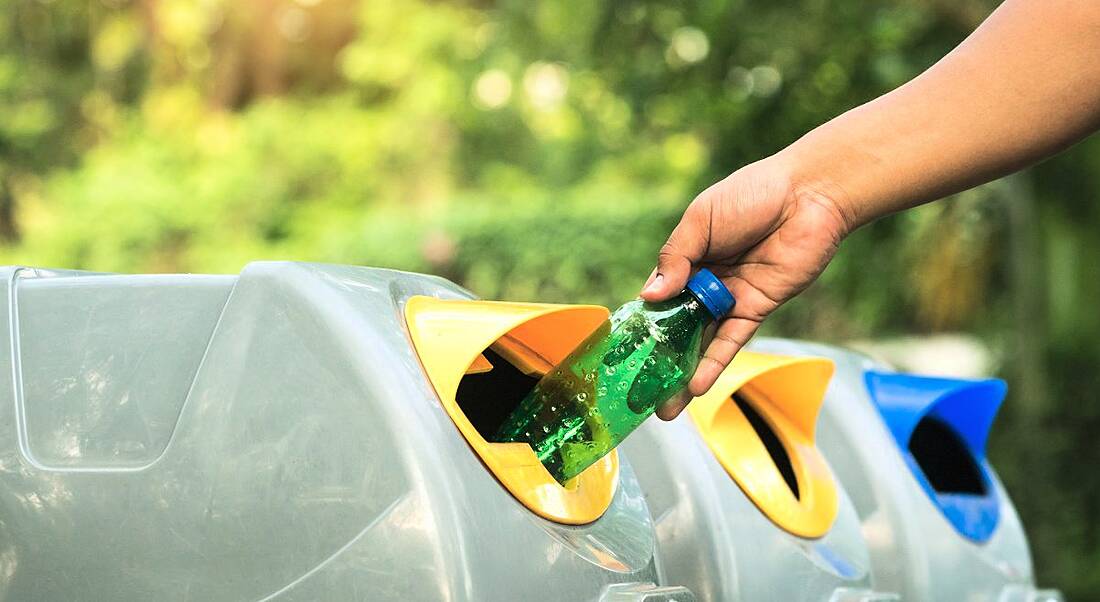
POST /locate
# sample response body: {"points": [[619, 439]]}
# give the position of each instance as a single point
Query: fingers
{"points": [[711, 365], [722, 344], [672, 408], [685, 248], [673, 268], [732, 335]]}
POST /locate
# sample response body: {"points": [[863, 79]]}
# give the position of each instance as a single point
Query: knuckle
{"points": [[727, 339], [717, 361], [699, 212], [668, 252]]}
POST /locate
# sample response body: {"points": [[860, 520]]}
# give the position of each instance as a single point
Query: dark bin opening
{"points": [[944, 459], [488, 398], [771, 442]]}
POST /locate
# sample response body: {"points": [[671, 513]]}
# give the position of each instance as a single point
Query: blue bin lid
{"points": [[965, 406]]}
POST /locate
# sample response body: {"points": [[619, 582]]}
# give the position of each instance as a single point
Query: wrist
{"points": [[812, 178]]}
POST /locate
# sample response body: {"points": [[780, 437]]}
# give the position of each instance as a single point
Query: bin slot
{"points": [[759, 419], [479, 365], [482, 358], [488, 398], [941, 426], [771, 442], [523, 357], [944, 459]]}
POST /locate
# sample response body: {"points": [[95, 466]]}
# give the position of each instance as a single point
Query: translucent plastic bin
{"points": [[267, 436], [745, 506], [315, 432], [942, 540]]}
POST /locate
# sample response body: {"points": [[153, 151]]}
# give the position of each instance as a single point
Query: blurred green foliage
{"points": [[542, 151]]}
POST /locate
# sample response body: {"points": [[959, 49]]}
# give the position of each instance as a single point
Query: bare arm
{"points": [[1023, 86]]}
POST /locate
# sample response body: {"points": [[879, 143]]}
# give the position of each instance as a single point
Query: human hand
{"points": [[766, 237]]}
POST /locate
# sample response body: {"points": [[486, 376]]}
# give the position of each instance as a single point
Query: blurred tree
{"points": [[43, 80]]}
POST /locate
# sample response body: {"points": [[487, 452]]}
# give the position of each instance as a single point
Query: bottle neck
{"points": [[685, 307], [698, 307]]}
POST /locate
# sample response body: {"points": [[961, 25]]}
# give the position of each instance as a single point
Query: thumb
{"points": [[684, 249]]}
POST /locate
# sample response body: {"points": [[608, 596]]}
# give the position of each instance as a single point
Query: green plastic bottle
{"points": [[616, 378]]}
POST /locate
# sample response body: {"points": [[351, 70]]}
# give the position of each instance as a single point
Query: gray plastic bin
{"points": [[267, 436], [914, 549], [313, 432]]}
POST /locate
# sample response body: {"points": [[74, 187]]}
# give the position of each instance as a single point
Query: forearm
{"points": [[1025, 85]]}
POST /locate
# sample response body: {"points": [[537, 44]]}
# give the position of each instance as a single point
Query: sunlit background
{"points": [[542, 151]]}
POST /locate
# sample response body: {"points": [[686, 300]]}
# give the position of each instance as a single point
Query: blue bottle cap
{"points": [[712, 293]]}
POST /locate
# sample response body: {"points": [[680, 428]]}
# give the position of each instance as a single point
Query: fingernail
{"points": [[672, 411], [652, 286]]}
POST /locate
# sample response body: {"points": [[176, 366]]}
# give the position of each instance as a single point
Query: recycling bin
{"points": [[279, 435], [744, 503], [910, 451], [320, 432]]}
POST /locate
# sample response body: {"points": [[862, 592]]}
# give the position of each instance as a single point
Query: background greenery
{"points": [[542, 151]]}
